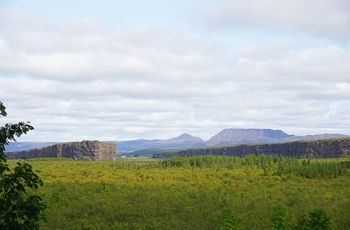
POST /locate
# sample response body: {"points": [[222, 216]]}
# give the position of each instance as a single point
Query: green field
{"points": [[193, 193]]}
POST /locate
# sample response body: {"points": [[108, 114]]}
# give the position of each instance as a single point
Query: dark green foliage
{"points": [[228, 220], [276, 165], [316, 220], [17, 209], [310, 170], [279, 217]]}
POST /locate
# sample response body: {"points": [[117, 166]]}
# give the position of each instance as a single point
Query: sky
{"points": [[147, 69]]}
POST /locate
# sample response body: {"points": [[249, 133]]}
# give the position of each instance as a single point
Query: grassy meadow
{"points": [[204, 192]]}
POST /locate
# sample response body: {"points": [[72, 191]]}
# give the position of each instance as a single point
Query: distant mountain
{"points": [[19, 146], [315, 137], [244, 136], [183, 141], [225, 137]]}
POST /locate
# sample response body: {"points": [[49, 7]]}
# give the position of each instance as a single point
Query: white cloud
{"points": [[85, 50], [327, 18], [82, 80]]}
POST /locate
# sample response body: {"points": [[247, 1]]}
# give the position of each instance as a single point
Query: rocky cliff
{"points": [[330, 148], [84, 150]]}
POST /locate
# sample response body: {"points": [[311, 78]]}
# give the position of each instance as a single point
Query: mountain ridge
{"points": [[229, 136], [182, 141]]}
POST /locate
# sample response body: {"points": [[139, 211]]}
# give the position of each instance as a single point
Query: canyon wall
{"points": [[84, 150]]}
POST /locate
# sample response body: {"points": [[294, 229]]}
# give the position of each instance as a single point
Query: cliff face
{"points": [[331, 148], [85, 150]]}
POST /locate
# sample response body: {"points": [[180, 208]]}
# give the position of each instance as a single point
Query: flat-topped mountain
{"points": [[243, 136]]}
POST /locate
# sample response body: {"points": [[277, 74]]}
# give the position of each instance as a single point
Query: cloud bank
{"points": [[326, 18], [82, 79]]}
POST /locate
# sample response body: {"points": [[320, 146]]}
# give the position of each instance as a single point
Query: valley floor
{"points": [[192, 193]]}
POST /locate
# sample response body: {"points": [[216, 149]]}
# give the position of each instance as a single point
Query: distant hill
{"points": [[183, 141], [315, 137], [262, 136], [245, 136], [19, 146]]}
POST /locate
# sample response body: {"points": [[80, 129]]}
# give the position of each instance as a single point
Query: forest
{"points": [[204, 192]]}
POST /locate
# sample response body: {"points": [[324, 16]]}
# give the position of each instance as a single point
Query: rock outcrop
{"points": [[84, 150], [330, 148]]}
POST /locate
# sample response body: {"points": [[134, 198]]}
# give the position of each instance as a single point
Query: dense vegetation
{"points": [[265, 192]]}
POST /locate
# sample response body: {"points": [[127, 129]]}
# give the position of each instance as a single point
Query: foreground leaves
{"points": [[17, 209]]}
